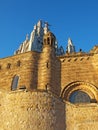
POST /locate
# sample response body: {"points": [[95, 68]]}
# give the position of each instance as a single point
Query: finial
{"points": [[39, 24], [47, 25], [35, 26], [46, 28], [70, 41], [70, 46], [27, 37]]}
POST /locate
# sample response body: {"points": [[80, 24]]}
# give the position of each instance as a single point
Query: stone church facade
{"points": [[44, 88]]}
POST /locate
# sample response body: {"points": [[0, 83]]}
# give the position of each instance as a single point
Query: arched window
{"points": [[80, 92], [79, 97], [15, 82], [44, 41]]}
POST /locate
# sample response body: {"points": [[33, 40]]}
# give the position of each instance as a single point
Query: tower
{"points": [[30, 96], [48, 72]]}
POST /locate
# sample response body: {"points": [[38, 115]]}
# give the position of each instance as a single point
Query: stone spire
{"points": [[35, 42], [70, 46], [39, 27], [46, 28]]}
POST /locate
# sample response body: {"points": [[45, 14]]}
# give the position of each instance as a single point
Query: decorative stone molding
{"points": [[74, 58], [88, 88], [76, 55]]}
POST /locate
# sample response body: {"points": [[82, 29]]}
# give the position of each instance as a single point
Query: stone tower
{"points": [[49, 70], [43, 88]]}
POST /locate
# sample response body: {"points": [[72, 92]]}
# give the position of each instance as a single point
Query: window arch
{"points": [[80, 92], [15, 82], [79, 96]]}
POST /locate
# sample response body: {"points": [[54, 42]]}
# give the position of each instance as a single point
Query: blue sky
{"points": [[77, 19]]}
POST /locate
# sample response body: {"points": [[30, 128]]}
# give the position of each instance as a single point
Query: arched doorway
{"points": [[80, 92]]}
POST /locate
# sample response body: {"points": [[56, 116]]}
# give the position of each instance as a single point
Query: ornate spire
{"points": [[35, 42], [70, 46], [46, 28], [27, 37]]}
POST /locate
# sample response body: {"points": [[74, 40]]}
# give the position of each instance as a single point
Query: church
{"points": [[45, 87]]}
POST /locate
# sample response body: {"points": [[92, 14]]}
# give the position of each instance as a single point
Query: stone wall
{"points": [[22, 110], [25, 110], [81, 116], [35, 71], [23, 65], [45, 76], [83, 67]]}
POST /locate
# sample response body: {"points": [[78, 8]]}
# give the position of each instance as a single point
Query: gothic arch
{"points": [[85, 87]]}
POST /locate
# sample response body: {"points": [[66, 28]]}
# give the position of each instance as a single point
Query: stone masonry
{"points": [[47, 90]]}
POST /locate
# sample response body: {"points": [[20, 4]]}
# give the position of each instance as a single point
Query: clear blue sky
{"points": [[77, 19]]}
